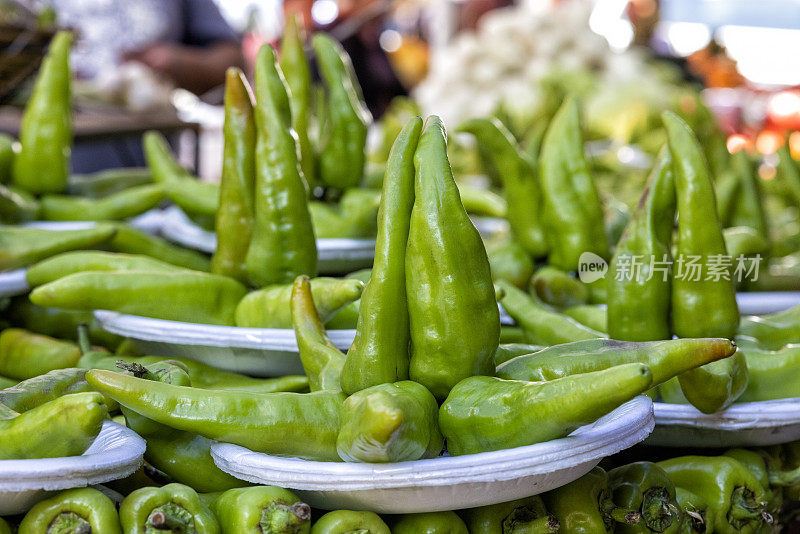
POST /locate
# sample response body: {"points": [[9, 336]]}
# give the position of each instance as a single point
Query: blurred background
{"points": [[159, 64]]}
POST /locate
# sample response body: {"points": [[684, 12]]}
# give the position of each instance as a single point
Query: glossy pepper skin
{"points": [[20, 246], [584, 506], [42, 164], [322, 360], [645, 487], [269, 307], [730, 489], [173, 507], [639, 305], [703, 307], [527, 515], [380, 351], [72, 511], [33, 392], [430, 523], [24, 354], [116, 207], [17, 205], [283, 244], [665, 359], [234, 219], [66, 263], [573, 215], [448, 282], [542, 325], [189, 296], [262, 510], [190, 194], [348, 522], [166, 372], [772, 374], [390, 423], [775, 330], [297, 72], [483, 413], [104, 183], [304, 425], [65, 426], [520, 183], [508, 351], [342, 155], [557, 288], [717, 385], [132, 241]]}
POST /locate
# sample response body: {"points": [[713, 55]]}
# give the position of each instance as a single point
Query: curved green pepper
{"points": [[717, 385], [744, 241], [42, 164], [390, 423], [756, 463], [234, 219], [283, 245], [173, 507], [167, 372], [483, 413], [104, 183], [430, 523], [67, 263], [509, 351], [17, 205], [20, 246], [557, 288], [509, 261], [342, 156], [80, 510], [262, 510], [33, 392], [773, 374], [645, 487], [349, 522], [132, 241], [528, 515], [189, 296], [448, 281], [123, 205], [775, 330], [26, 355], [379, 353], [62, 427]]}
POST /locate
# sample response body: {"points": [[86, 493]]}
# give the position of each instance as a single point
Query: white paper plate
{"points": [[13, 283], [334, 255], [116, 453], [445, 483], [253, 351], [749, 424], [758, 303], [149, 222]]}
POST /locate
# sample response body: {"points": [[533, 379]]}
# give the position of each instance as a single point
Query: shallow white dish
{"points": [[149, 222], [445, 483], [13, 283], [761, 302], [748, 424], [116, 453], [253, 351], [335, 255]]}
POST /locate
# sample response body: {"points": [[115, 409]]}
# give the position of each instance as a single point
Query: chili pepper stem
{"points": [[657, 511], [279, 517], [69, 522], [138, 370], [171, 517], [553, 525], [744, 507], [696, 517], [628, 517]]}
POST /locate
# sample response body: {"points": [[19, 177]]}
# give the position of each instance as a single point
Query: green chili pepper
{"points": [[595, 316], [573, 216], [665, 359], [286, 424], [270, 307], [509, 351], [187, 192], [342, 155], [234, 220], [639, 304], [116, 207], [773, 374], [482, 202], [7, 155], [17, 205], [542, 325], [379, 353], [483, 413], [697, 516], [557, 288], [33, 392], [75, 511], [132, 241], [180, 296], [584, 506], [174, 507], [322, 360], [748, 209], [789, 173], [65, 426], [509, 261], [645, 487], [20, 247], [42, 164], [262, 510], [67, 263], [520, 184], [295, 68], [349, 522], [104, 183], [430, 523], [775, 330], [757, 465], [167, 372], [528, 515], [283, 244], [731, 491], [390, 423], [717, 385], [24, 354], [743, 241], [448, 281]]}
